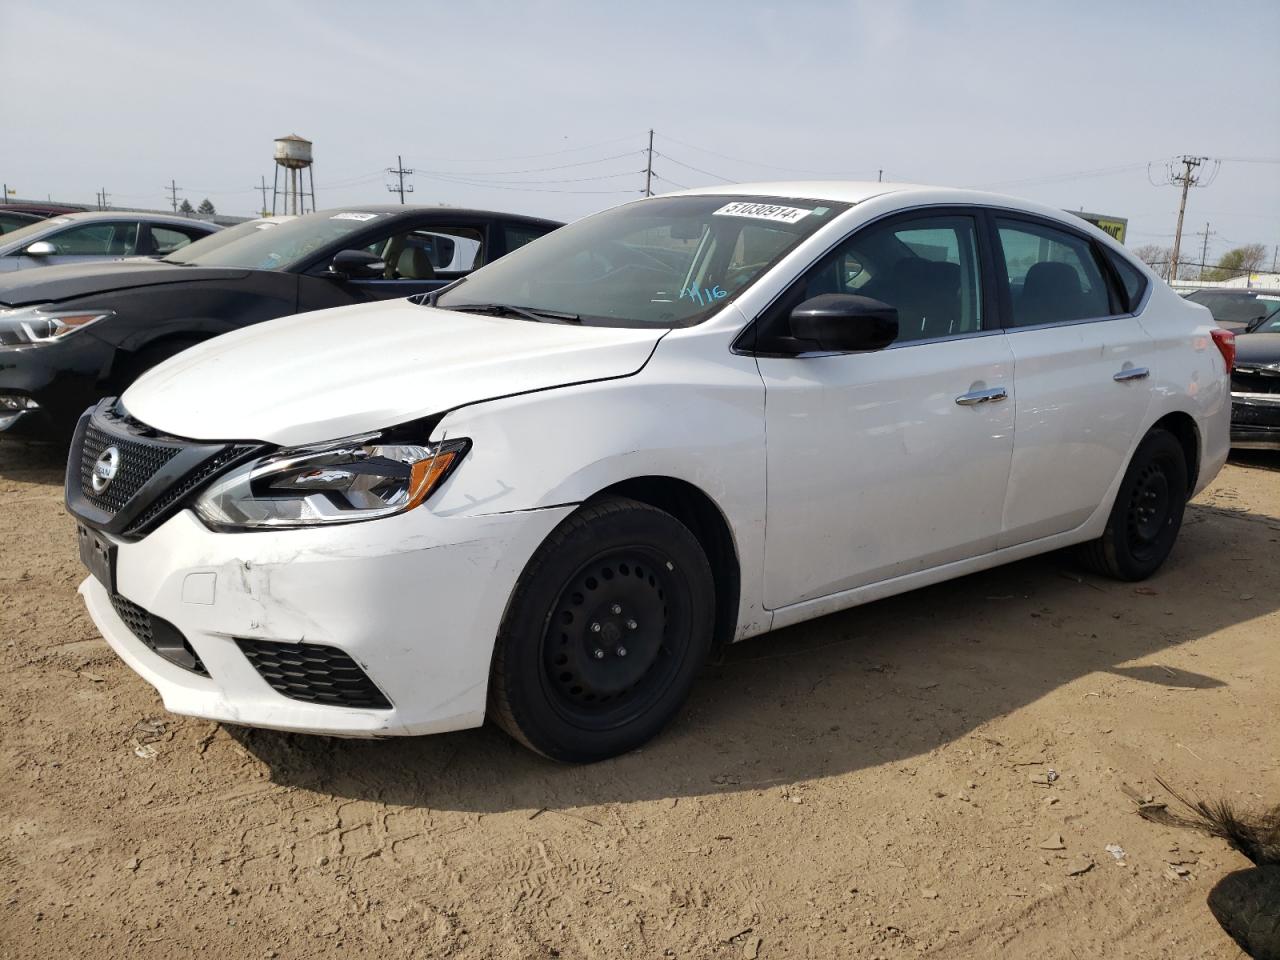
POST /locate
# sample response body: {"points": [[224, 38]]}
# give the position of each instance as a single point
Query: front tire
{"points": [[608, 627], [1147, 514]]}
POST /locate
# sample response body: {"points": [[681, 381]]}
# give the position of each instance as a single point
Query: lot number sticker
{"points": [[353, 216], [762, 211]]}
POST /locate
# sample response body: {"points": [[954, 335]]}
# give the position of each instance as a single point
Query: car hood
{"points": [[335, 373], [1257, 348], [71, 280]]}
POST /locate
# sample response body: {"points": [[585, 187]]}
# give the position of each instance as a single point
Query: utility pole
{"points": [[263, 188], [1204, 247], [880, 176], [173, 189], [648, 169], [1188, 179], [104, 201], [400, 170]]}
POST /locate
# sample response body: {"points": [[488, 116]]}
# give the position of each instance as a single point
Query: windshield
{"points": [[24, 235], [666, 262], [1233, 307], [1271, 304], [283, 247], [213, 241]]}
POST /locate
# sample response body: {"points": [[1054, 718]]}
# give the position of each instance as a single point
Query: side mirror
{"points": [[41, 248], [357, 265], [845, 322]]}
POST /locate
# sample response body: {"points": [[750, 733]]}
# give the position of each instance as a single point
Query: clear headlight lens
{"points": [[27, 325], [356, 479]]}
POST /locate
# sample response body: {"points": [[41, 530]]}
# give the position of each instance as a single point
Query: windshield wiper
{"points": [[536, 314]]}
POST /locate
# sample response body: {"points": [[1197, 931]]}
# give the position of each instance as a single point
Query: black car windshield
{"points": [[282, 247], [1234, 307], [667, 262], [192, 251]]}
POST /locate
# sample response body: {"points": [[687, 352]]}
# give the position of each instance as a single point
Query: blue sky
{"points": [[543, 107]]}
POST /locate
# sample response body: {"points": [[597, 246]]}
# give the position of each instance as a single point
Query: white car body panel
{"points": [[881, 435], [841, 479], [335, 373]]}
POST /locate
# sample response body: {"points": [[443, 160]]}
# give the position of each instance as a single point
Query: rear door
{"points": [[882, 464], [1082, 375]]}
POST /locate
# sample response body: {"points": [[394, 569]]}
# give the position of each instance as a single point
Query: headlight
{"points": [[27, 325], [355, 479]]}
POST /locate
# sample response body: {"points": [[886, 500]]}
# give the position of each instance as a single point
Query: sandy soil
{"points": [[873, 784]]}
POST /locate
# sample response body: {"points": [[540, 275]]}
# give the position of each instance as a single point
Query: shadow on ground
{"points": [[870, 686]]}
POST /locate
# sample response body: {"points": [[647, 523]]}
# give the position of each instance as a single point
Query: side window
{"points": [[516, 235], [927, 268], [166, 239], [1132, 282], [1053, 276], [97, 239], [425, 254]]}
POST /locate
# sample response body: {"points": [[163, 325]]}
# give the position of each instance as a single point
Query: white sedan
{"points": [[549, 492]]}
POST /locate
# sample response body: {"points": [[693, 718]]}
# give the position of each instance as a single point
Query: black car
{"points": [[1238, 310], [1255, 388], [11, 220], [70, 335]]}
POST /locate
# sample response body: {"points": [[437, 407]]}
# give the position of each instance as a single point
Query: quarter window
{"points": [[167, 240], [1053, 275]]}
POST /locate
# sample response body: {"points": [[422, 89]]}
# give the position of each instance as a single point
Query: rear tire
{"points": [[607, 629], [1147, 514]]}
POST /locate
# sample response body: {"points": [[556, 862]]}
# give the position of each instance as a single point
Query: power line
{"points": [[754, 163], [401, 171], [505, 186], [533, 156], [172, 190], [561, 166], [689, 166]]}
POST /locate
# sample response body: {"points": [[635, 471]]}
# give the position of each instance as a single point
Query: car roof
{"points": [[92, 215], [858, 191], [411, 208]]}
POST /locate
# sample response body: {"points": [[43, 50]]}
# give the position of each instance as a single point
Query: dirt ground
{"points": [[873, 784]]}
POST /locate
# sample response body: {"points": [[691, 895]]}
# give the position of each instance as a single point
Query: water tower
{"points": [[293, 156]]}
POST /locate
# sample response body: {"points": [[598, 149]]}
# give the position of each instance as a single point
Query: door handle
{"points": [[1131, 373], [975, 397]]}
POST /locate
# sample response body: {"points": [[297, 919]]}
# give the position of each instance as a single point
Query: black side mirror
{"points": [[845, 322], [357, 265]]}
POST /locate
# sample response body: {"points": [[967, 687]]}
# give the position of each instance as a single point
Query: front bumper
{"points": [[63, 377], [415, 600], [1255, 421]]}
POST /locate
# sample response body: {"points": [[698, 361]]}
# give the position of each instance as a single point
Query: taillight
{"points": [[1226, 341]]}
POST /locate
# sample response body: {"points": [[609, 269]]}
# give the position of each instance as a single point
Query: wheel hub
{"points": [[1149, 505], [607, 632]]}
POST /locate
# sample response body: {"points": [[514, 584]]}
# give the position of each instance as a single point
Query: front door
{"points": [[882, 464], [1082, 373]]}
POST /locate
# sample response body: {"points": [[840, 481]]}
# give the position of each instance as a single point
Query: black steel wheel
{"points": [[610, 622], [1147, 514]]}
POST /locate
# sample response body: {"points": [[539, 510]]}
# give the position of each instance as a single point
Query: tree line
{"points": [[1236, 262]]}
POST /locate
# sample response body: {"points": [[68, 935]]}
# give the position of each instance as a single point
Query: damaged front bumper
{"points": [[368, 629]]}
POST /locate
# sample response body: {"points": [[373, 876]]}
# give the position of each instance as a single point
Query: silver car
{"points": [[108, 235]]}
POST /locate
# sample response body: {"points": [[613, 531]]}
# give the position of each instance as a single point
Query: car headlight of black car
{"points": [[25, 326], [359, 478]]}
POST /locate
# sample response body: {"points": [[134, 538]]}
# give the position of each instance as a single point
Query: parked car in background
{"points": [[1238, 310], [84, 237], [550, 491], [70, 335], [1255, 387], [43, 210], [11, 220]]}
